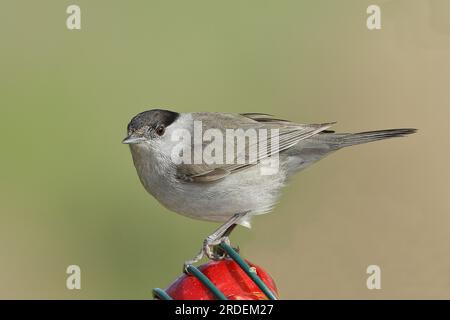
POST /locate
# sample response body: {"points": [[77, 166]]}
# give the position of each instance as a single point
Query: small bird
{"points": [[228, 192]]}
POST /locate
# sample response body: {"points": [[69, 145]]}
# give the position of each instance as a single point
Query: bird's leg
{"points": [[221, 234], [218, 252]]}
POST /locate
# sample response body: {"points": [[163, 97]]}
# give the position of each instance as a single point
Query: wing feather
{"points": [[289, 134]]}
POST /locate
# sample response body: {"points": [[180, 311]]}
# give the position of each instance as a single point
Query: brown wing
{"points": [[289, 134]]}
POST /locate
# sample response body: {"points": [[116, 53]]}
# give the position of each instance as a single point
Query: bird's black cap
{"points": [[152, 118]]}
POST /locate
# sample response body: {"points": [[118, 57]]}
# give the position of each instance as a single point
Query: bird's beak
{"points": [[133, 140]]}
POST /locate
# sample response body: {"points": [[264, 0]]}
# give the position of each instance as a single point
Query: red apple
{"points": [[228, 277]]}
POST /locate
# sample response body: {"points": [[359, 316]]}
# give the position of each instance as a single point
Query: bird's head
{"points": [[149, 126]]}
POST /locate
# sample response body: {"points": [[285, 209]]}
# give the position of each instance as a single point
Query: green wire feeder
{"points": [[162, 295]]}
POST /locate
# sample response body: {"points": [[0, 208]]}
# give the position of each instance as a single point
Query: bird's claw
{"points": [[212, 251], [208, 250]]}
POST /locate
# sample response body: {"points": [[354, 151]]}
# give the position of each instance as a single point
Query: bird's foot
{"points": [[209, 249]]}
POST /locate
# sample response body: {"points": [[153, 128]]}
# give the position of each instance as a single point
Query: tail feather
{"points": [[369, 136]]}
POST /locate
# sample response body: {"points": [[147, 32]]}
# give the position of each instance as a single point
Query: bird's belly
{"points": [[244, 191], [218, 201]]}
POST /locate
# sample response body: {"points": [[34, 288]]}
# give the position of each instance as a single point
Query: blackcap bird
{"points": [[192, 163]]}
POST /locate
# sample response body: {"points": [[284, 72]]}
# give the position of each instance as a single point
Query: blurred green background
{"points": [[69, 193]]}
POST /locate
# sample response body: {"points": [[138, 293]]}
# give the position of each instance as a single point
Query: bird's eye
{"points": [[160, 130]]}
